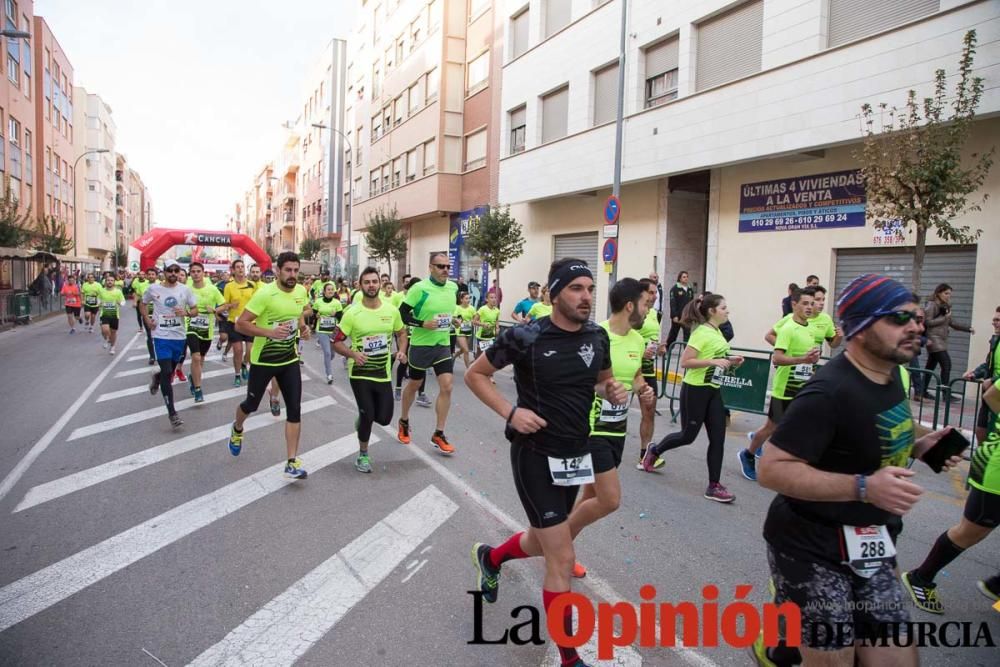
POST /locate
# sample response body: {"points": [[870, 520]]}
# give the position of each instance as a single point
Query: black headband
{"points": [[566, 274]]}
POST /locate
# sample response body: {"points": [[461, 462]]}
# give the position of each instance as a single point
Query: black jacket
{"points": [[986, 370], [679, 297]]}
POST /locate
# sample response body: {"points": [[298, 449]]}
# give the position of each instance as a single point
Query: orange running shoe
{"points": [[404, 431], [441, 443], [579, 571]]}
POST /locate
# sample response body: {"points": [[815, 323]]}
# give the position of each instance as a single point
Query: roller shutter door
{"points": [[582, 246]]}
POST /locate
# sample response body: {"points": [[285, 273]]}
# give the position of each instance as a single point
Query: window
{"points": [[385, 177], [519, 34], [376, 126], [517, 129], [555, 112], [400, 48], [3, 146], [13, 131], [398, 105], [661, 73], [388, 59], [417, 96], [357, 188], [397, 171], [376, 84], [28, 164], [430, 157], [417, 29], [475, 150], [387, 118], [854, 19], [478, 72], [435, 15], [375, 173], [411, 165], [477, 7], [557, 14], [433, 84], [605, 94], [729, 45]]}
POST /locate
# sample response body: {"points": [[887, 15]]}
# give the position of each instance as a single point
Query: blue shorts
{"points": [[168, 348]]}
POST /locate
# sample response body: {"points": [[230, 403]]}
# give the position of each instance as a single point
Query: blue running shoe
{"points": [[295, 470], [245, 372], [748, 465], [198, 396], [235, 441]]}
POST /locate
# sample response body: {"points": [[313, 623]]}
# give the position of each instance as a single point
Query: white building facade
{"points": [[95, 195]]}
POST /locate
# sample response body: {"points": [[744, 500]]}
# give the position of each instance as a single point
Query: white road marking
{"points": [[37, 592], [22, 466], [289, 625], [410, 575], [145, 356], [58, 488], [144, 388], [152, 413]]}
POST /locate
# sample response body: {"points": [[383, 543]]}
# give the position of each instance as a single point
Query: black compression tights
{"points": [[375, 405], [166, 383], [700, 406]]}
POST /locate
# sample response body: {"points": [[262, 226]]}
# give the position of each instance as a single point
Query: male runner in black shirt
{"points": [[559, 363]]}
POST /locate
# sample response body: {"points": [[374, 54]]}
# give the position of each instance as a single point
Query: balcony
{"points": [[427, 195], [98, 240], [118, 175], [288, 221]]}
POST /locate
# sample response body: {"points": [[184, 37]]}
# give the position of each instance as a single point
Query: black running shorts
{"points": [[112, 322], [777, 408], [73, 310], [545, 503], [606, 451], [198, 346], [423, 357], [982, 508]]}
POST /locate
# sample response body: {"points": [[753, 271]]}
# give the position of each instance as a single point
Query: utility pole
{"points": [[616, 184]]}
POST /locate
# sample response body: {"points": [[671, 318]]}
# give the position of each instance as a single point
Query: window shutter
{"points": [[854, 19], [519, 34], [730, 45], [557, 13], [555, 108], [606, 94], [661, 58]]}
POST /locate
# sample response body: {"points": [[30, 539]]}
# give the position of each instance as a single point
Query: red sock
{"points": [[567, 655], [509, 550]]}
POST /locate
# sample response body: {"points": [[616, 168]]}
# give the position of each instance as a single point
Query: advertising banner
{"points": [[819, 201]]}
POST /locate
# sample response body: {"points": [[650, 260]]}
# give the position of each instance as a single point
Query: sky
{"points": [[198, 90]]}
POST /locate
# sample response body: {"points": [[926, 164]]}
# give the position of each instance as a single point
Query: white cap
{"points": [[171, 262]]}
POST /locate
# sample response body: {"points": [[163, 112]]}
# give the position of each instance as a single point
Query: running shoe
{"points": [[924, 595], [295, 470], [180, 374], [397, 394], [719, 493], [191, 384], [748, 464], [224, 358], [759, 652], [235, 441], [198, 396], [237, 381], [487, 576], [104, 345], [363, 463], [154, 383], [990, 587], [245, 372], [423, 401], [579, 571], [111, 350], [275, 406], [649, 460], [73, 330], [441, 443], [659, 463], [404, 431], [176, 421], [329, 379]]}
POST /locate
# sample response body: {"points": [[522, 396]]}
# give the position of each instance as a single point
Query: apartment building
{"points": [[723, 101], [422, 111], [54, 136], [95, 194], [17, 107]]}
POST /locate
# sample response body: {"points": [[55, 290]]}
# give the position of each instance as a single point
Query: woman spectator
{"points": [[938, 324]]}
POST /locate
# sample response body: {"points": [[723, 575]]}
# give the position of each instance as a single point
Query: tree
{"points": [[912, 165], [310, 246], [50, 236], [385, 237], [119, 257], [15, 227], [496, 237]]}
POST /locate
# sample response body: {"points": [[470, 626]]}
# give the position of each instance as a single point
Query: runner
{"points": [[520, 314], [701, 399], [370, 327], [71, 300], [402, 371], [255, 275], [543, 308], [559, 363], [91, 290], [428, 308], [981, 516], [182, 279], [237, 294], [172, 302], [486, 322], [837, 461], [650, 332], [987, 373], [796, 354], [151, 279], [111, 299], [139, 285], [463, 320], [200, 328], [821, 325], [274, 318], [328, 310]]}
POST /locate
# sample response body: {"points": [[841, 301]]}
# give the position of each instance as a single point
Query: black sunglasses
{"points": [[172, 269], [441, 267], [901, 317]]}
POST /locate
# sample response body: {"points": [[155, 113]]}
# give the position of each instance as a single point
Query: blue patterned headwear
{"points": [[868, 298]]}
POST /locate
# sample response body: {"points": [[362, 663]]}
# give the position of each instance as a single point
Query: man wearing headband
{"points": [[559, 363], [838, 462]]}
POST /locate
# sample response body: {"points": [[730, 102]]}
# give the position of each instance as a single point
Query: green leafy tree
{"points": [[15, 226], [497, 237], [310, 247], [385, 236], [119, 257], [50, 236], [915, 178]]}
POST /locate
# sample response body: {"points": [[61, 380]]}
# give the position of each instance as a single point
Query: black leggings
{"points": [[943, 358], [375, 403], [700, 406], [675, 329], [167, 367], [149, 335], [402, 371], [289, 379]]}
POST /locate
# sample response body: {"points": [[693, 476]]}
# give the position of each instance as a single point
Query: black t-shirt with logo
{"points": [[839, 422], [555, 372]]}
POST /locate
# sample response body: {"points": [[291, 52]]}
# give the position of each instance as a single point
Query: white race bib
{"points": [[443, 321], [485, 344], [327, 322], [718, 374], [90, 300], [802, 372], [294, 324], [611, 413], [573, 471], [868, 547], [169, 321], [377, 344], [109, 305], [199, 322]]}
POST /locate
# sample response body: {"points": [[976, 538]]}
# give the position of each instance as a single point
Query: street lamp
{"points": [[350, 187], [76, 232]]}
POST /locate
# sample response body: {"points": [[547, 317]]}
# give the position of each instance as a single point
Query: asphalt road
{"points": [[123, 542]]}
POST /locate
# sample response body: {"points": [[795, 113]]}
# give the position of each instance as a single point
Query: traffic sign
{"points": [[610, 252], [610, 231], [133, 265], [612, 209]]}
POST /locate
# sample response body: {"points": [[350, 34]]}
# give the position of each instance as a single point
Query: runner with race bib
{"points": [[200, 328]]}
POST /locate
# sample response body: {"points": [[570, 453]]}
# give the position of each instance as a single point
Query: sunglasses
{"points": [[901, 317], [172, 270], [441, 267]]}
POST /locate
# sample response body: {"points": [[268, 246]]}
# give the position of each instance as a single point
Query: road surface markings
{"points": [[37, 592], [126, 464], [281, 631], [22, 466], [145, 357], [144, 388]]}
